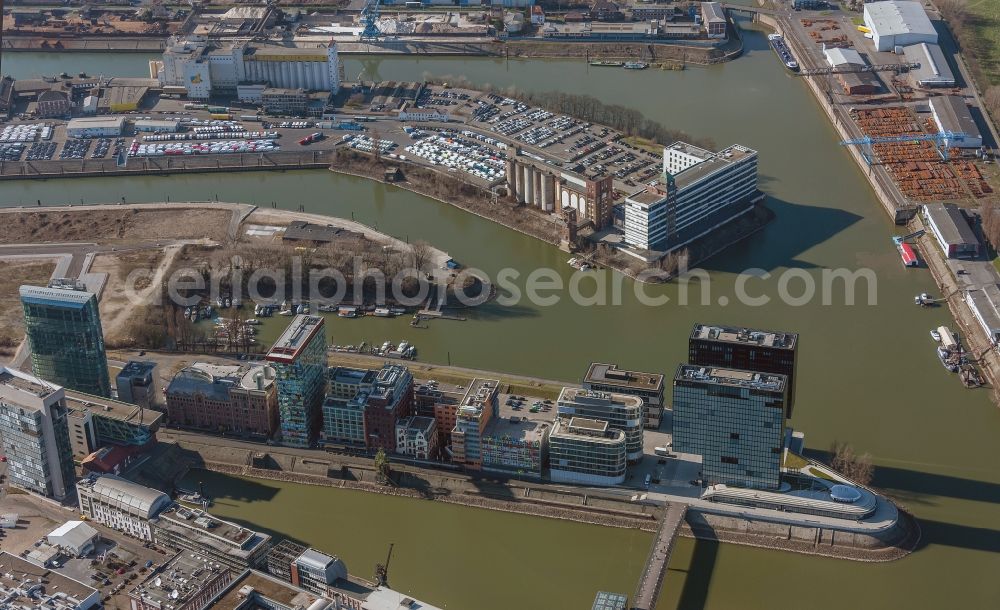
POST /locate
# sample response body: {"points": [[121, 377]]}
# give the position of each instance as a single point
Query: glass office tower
{"points": [[735, 420], [63, 325]]}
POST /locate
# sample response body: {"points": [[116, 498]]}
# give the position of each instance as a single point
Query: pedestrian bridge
{"points": [[648, 589]]}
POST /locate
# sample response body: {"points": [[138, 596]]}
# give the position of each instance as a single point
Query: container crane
{"points": [[868, 141], [369, 19]]}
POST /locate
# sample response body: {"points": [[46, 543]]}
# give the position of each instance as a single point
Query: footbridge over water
{"points": [[647, 592]]}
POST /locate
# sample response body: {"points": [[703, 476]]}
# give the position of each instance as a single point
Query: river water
{"points": [[867, 375]]}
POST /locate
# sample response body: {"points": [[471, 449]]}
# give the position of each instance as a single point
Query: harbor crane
{"points": [[899, 239], [942, 137], [369, 20]]}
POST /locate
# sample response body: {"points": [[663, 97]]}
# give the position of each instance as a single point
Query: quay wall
{"points": [[899, 215], [539, 499]]}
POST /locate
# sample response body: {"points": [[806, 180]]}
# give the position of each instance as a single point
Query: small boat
{"points": [[635, 65], [286, 312], [935, 335], [607, 64], [944, 356], [383, 312], [327, 308]]}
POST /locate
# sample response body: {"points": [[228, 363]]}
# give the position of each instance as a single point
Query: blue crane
{"points": [[369, 19], [942, 137]]}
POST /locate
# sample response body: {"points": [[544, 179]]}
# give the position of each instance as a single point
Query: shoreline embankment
{"points": [[541, 500]]}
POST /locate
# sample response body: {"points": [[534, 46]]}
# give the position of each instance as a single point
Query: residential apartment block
{"points": [[299, 361], [478, 407]]}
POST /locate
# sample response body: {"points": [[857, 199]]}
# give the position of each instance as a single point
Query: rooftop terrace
{"points": [[732, 378], [732, 334]]}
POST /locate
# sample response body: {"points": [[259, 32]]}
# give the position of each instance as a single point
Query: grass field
{"points": [[985, 25]]}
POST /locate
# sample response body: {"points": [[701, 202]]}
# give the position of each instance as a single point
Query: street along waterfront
{"points": [[868, 374]]}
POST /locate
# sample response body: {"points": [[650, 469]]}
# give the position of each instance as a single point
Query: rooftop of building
{"points": [[891, 17], [125, 494], [269, 587], [584, 396], [207, 529], [298, 334], [424, 425], [948, 220], [95, 122], [384, 598], [14, 383], [712, 11], [480, 392], [932, 65], [349, 375], [954, 115], [58, 296], [316, 559], [592, 430], [80, 403], [517, 428], [610, 374], [772, 382], [838, 56], [18, 576], [179, 581], [746, 336], [216, 380], [137, 368], [709, 164]]}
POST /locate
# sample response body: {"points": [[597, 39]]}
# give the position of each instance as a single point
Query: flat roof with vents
{"points": [[298, 334], [734, 334], [771, 382], [610, 374]]}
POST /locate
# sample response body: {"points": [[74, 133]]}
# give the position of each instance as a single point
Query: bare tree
{"points": [[421, 252], [858, 468]]}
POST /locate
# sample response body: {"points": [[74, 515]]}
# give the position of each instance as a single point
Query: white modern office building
{"points": [[35, 433], [621, 412], [898, 23], [586, 451], [700, 191], [121, 504], [204, 67]]}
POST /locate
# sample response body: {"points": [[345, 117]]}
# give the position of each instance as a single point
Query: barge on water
{"points": [[781, 48]]}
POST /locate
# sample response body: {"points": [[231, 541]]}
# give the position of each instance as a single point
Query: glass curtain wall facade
{"points": [[734, 420], [67, 343]]}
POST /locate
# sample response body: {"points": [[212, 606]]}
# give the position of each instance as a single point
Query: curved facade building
{"points": [[620, 411], [586, 452]]}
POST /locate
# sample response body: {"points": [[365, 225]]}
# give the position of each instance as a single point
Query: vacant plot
{"points": [[126, 224], [115, 300], [12, 275], [985, 24]]}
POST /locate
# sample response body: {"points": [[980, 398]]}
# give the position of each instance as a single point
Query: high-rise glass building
{"points": [[746, 349], [621, 411], [735, 420], [299, 361], [35, 434], [63, 325]]}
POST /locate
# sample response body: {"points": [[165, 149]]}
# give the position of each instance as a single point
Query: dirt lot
{"points": [[114, 300], [110, 225], [12, 275]]}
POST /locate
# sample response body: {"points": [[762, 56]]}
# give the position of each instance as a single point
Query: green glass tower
{"points": [[64, 332]]}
